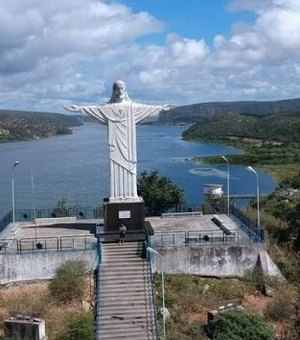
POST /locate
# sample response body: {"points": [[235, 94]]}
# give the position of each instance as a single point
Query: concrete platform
{"points": [[183, 230]]}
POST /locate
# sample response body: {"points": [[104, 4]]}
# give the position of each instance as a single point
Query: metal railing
{"points": [[200, 238], [28, 215], [152, 302], [62, 243], [250, 226]]}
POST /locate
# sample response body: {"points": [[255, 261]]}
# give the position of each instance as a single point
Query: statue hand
{"points": [[168, 107], [72, 108]]}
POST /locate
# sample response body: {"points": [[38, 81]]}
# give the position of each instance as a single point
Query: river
{"points": [[75, 167]]}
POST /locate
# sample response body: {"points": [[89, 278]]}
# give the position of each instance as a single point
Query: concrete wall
{"points": [[218, 261], [39, 266]]}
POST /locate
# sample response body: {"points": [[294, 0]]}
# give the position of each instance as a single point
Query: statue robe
{"points": [[121, 120]]}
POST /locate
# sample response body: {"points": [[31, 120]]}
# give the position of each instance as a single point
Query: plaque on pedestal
{"points": [[129, 212]]}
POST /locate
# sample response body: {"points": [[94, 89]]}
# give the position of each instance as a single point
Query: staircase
{"points": [[124, 297]]}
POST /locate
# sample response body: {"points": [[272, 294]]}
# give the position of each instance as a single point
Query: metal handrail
{"points": [[150, 284]]}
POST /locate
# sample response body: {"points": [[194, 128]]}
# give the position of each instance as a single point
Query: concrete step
{"points": [[119, 252], [129, 271], [122, 247], [117, 292], [122, 257], [122, 282], [116, 311], [115, 286], [122, 336], [126, 307], [128, 329], [137, 283], [130, 304], [123, 314], [128, 274], [119, 265], [117, 262], [126, 298], [125, 324], [107, 300]]}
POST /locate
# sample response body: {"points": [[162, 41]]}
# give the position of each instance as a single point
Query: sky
{"points": [[167, 51]]}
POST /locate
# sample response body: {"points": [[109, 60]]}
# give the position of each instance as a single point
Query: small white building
{"points": [[213, 189]]}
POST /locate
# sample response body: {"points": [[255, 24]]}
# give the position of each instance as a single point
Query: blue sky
{"points": [[192, 18], [180, 52]]}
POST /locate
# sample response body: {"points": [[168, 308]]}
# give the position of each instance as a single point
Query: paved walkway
{"points": [[183, 230]]}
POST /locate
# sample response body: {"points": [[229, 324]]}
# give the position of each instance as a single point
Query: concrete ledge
{"points": [[180, 214], [55, 220], [268, 267]]}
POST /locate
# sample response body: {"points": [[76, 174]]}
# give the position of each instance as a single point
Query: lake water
{"points": [[75, 167]]}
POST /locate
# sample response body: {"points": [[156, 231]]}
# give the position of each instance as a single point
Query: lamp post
{"points": [[228, 199], [33, 206], [249, 168], [151, 250], [13, 190]]}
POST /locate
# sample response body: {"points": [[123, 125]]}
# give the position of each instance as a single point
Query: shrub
{"points": [[68, 283], [257, 280], [282, 305], [78, 327], [241, 325]]}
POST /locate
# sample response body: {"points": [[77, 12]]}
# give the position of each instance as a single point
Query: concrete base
{"points": [[131, 213], [25, 327]]}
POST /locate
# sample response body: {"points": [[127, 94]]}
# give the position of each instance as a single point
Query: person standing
{"points": [[123, 231]]}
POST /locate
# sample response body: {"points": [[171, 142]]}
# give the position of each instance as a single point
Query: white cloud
{"points": [[72, 50]]}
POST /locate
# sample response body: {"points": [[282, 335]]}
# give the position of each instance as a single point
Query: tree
{"points": [[68, 283], [158, 192], [241, 325]]}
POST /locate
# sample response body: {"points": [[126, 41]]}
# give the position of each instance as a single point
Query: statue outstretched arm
{"points": [[72, 108], [93, 111], [168, 107]]}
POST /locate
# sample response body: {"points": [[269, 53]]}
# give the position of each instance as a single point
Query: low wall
{"points": [[217, 261], [40, 266], [54, 220]]}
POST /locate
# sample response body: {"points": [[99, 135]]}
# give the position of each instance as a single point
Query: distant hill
{"points": [[191, 113], [26, 125], [277, 127]]}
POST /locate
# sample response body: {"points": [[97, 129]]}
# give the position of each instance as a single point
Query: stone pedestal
{"points": [[129, 212]]}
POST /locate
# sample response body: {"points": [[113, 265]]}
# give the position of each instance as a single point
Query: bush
{"points": [[68, 283], [257, 280], [281, 308], [241, 325], [78, 327]]}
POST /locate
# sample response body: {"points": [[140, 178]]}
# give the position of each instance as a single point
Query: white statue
{"points": [[121, 115]]}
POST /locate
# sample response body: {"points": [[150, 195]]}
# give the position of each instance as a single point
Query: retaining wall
{"points": [[218, 261], [40, 266]]}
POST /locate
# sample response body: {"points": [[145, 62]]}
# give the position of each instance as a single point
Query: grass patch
{"points": [[189, 298]]}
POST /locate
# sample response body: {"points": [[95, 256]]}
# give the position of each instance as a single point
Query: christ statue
{"points": [[121, 115]]}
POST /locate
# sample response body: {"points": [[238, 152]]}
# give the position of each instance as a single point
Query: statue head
{"points": [[119, 93]]}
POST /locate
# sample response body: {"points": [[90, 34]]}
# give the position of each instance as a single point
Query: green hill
{"points": [[25, 125], [192, 113], [280, 127]]}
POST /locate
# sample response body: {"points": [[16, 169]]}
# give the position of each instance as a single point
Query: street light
{"points": [[228, 199], [13, 190], [249, 168], [151, 250]]}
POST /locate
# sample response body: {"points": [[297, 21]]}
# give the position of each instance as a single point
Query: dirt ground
{"points": [[24, 298]]}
